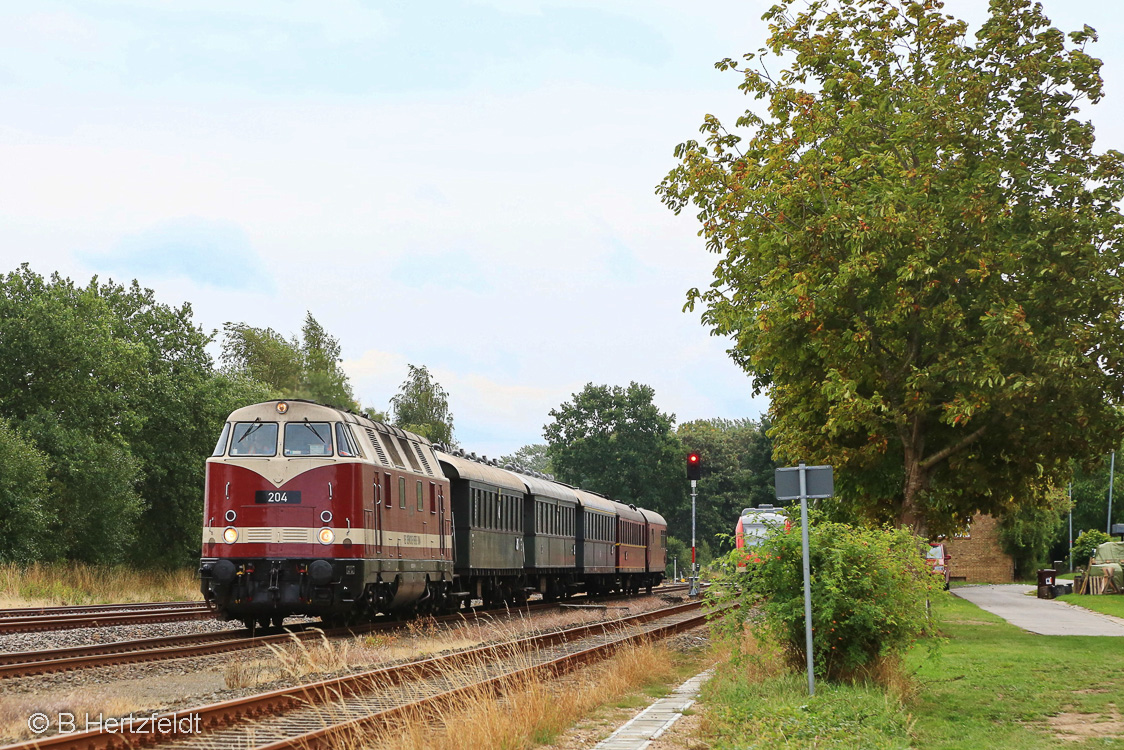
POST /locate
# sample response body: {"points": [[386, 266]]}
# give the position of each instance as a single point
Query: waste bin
{"points": [[1047, 577]]}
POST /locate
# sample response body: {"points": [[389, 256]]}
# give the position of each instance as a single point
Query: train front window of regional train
{"points": [[308, 439], [220, 447], [254, 439]]}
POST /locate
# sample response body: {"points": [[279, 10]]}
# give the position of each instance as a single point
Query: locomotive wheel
{"points": [[279, 621]]}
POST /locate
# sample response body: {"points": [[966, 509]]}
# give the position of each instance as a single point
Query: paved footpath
{"points": [[656, 718], [1043, 616]]}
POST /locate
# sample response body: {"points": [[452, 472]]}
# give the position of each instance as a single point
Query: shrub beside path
{"points": [[1042, 616]]}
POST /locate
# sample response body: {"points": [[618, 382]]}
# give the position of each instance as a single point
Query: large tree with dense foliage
{"points": [[737, 462], [921, 251], [422, 407], [616, 441], [116, 392], [308, 367]]}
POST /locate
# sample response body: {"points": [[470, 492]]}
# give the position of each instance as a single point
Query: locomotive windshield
{"points": [[254, 439], [308, 439]]}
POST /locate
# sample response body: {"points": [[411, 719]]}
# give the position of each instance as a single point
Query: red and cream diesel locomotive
{"points": [[315, 511]]}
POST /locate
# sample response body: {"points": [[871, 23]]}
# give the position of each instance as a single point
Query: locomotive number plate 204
{"points": [[277, 497]]}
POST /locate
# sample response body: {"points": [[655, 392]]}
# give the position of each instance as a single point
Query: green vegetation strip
{"points": [[1109, 604], [987, 684]]}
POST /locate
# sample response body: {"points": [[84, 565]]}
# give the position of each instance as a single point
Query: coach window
{"points": [[254, 439], [220, 447], [401, 492]]}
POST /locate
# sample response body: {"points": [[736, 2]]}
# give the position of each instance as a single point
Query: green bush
{"points": [[870, 594], [1086, 546]]}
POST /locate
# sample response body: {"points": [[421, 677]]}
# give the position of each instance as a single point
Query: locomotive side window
{"points": [[346, 445], [308, 439], [401, 492], [421, 497], [220, 447], [254, 439]]}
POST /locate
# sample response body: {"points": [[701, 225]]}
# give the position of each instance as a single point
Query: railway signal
{"points": [[694, 473], [694, 466]]}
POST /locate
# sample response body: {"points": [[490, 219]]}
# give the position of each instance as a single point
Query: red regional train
{"points": [[314, 511]]}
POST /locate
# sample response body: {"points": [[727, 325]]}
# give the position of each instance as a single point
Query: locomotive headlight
{"points": [[230, 535], [326, 536]]}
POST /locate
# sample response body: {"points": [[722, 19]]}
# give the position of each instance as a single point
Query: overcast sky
{"points": [[462, 185]]}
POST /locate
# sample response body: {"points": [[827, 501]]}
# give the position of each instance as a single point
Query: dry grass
{"points": [[61, 584], [532, 710], [14, 711]]}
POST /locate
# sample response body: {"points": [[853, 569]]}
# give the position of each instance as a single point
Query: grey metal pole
{"points": [[1111, 470], [694, 591], [1071, 527], [807, 577]]}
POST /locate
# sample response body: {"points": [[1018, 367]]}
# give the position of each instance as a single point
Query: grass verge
{"points": [[1109, 604], [989, 685], [62, 584]]}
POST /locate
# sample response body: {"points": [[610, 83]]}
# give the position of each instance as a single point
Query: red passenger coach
{"points": [[656, 534], [310, 510]]}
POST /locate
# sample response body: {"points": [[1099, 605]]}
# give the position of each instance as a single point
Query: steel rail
{"points": [[218, 715], [83, 609], [54, 622]]}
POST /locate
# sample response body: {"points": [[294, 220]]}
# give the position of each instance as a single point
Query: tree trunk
{"points": [[916, 479], [911, 515]]}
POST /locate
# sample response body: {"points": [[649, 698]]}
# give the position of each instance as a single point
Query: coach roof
{"points": [[595, 502], [466, 468], [547, 488]]}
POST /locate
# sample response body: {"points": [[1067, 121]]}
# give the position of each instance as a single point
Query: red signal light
{"points": [[694, 466]]}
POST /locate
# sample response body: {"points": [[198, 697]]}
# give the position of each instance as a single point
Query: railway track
{"points": [[94, 608], [69, 618], [315, 714], [28, 663]]}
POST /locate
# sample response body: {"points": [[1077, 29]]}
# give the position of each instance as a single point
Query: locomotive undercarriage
{"points": [[265, 591]]}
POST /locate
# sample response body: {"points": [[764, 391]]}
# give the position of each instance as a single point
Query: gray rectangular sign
{"points": [[820, 482]]}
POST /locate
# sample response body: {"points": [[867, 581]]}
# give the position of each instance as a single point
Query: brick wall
{"points": [[977, 556]]}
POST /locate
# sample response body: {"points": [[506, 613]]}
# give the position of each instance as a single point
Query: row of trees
{"points": [[615, 440], [109, 403]]}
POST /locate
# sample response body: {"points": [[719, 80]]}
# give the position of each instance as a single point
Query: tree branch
{"points": [[939, 456]]}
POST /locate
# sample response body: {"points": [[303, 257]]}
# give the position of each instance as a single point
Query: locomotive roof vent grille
{"points": [[378, 448], [421, 455]]}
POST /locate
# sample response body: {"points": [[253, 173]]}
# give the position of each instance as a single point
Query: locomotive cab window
{"points": [[254, 439], [220, 447], [308, 439], [346, 445]]}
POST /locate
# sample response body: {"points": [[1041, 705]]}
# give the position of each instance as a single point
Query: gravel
{"points": [[42, 641]]}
